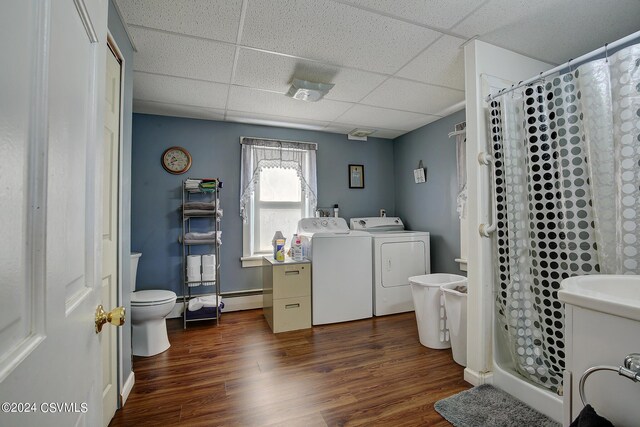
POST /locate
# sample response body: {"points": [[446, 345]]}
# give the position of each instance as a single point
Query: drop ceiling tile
{"points": [[182, 56], [213, 19], [413, 96], [263, 70], [380, 133], [333, 32], [437, 13], [271, 120], [177, 90], [442, 63], [163, 109], [376, 118], [277, 104], [550, 30]]}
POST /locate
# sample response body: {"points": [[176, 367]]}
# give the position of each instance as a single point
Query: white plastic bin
{"points": [[429, 305], [455, 302]]}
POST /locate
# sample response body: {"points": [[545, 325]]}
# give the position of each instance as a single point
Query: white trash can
{"points": [[429, 306], [455, 302]]}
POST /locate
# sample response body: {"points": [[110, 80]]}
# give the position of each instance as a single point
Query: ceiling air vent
{"points": [[308, 91], [360, 134]]}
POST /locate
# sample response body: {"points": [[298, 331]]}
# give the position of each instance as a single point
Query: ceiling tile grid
{"points": [[440, 14], [333, 33], [442, 63], [271, 120], [175, 110], [262, 102], [396, 65], [182, 56], [372, 117], [212, 19], [412, 96], [263, 70], [550, 30], [176, 90]]}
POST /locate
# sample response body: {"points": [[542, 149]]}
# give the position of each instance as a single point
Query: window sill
{"points": [[463, 263], [252, 261]]}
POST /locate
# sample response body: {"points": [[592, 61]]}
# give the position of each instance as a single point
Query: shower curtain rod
{"points": [[567, 64]]}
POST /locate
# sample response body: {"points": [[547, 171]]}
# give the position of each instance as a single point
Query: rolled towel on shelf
{"points": [[207, 206], [198, 212], [207, 238], [202, 241], [208, 186], [211, 301], [197, 303], [208, 235]]}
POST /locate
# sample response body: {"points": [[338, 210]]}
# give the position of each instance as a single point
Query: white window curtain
{"points": [[258, 153]]}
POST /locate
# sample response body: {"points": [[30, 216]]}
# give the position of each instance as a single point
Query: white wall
{"points": [[483, 63]]}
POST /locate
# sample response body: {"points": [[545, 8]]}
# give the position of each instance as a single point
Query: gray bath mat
{"points": [[486, 405]]}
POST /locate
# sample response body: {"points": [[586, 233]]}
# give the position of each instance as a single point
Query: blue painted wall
{"points": [[215, 148], [119, 35], [430, 206]]}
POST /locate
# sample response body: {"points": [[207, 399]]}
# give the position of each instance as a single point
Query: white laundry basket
{"points": [[429, 305], [455, 302]]}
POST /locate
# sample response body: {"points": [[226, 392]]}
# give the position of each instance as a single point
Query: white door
{"points": [[51, 122], [110, 187]]}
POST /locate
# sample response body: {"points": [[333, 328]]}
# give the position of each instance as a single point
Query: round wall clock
{"points": [[176, 160]]}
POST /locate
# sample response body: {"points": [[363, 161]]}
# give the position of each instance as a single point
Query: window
{"points": [[278, 189]]}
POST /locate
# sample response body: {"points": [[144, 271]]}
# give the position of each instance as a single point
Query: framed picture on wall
{"points": [[356, 176]]}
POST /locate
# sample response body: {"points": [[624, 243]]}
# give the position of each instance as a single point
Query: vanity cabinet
{"points": [[287, 294]]}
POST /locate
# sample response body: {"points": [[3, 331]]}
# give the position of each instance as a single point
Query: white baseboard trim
{"points": [[250, 302], [477, 378], [126, 388]]}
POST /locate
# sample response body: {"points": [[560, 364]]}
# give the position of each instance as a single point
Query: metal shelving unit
{"points": [[201, 221]]}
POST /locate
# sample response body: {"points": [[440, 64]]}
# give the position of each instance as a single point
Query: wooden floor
{"points": [[367, 372]]}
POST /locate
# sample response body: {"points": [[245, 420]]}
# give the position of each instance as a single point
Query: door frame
{"points": [[113, 45]]}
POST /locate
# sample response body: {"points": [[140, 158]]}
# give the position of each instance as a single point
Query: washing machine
{"points": [[397, 255], [341, 270]]}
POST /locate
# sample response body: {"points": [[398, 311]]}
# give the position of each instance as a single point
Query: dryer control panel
{"points": [[377, 223]]}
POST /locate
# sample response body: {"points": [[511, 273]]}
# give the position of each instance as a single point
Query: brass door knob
{"points": [[116, 317]]}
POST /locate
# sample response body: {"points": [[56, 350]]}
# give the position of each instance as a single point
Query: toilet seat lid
{"points": [[152, 296]]}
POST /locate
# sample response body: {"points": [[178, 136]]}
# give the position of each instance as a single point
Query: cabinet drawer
{"points": [[290, 314], [291, 281]]}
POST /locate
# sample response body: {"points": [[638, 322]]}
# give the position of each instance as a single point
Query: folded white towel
{"points": [[209, 259], [197, 303], [202, 236], [194, 261]]}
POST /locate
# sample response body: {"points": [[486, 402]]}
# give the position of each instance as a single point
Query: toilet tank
{"points": [[135, 257]]}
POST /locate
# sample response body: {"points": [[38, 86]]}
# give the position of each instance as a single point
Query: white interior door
{"points": [[51, 109], [108, 338]]}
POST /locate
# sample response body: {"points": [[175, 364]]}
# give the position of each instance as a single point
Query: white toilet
{"points": [[149, 308]]}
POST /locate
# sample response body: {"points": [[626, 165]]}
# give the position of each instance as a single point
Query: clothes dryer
{"points": [[397, 255], [341, 270]]}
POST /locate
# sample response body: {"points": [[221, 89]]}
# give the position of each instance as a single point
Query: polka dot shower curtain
{"points": [[567, 176]]}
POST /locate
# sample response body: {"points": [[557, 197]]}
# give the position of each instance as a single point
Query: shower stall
{"points": [[557, 196]]}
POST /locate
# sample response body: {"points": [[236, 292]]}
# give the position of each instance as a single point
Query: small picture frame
{"points": [[356, 176]]}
